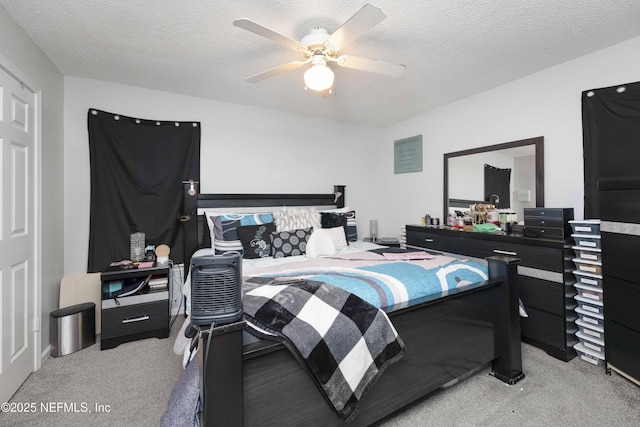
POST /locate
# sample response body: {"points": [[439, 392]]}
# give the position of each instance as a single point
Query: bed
{"points": [[446, 337]]}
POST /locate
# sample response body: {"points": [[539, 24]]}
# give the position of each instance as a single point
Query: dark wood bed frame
{"points": [[447, 338]]}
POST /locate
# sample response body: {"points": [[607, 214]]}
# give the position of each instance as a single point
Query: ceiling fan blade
{"points": [[263, 31], [355, 26], [276, 70], [371, 65]]}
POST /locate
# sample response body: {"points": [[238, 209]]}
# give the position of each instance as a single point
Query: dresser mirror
{"points": [[464, 175]]}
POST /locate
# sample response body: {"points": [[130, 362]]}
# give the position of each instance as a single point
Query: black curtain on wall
{"points": [[137, 169], [611, 143], [497, 181]]}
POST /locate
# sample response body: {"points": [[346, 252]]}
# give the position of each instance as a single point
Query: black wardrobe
{"points": [[611, 131]]}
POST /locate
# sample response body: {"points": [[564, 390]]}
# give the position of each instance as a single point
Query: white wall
{"points": [[23, 53], [543, 104], [524, 179], [320, 153], [244, 149]]}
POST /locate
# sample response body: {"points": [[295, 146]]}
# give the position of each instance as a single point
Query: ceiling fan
{"points": [[319, 48]]}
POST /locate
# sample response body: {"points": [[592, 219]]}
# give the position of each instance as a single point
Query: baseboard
{"points": [[45, 354]]}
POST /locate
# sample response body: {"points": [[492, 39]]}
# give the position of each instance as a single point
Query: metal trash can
{"points": [[72, 328]]}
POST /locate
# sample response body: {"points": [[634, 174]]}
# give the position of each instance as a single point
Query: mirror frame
{"points": [[538, 142]]}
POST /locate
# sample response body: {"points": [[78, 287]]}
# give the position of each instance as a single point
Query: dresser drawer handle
{"points": [[498, 251], [428, 240], [136, 319]]}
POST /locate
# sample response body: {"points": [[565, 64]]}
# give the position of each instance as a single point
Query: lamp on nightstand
{"points": [[373, 229]]}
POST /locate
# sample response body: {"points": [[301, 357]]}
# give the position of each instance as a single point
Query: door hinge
{"points": [[36, 324]]}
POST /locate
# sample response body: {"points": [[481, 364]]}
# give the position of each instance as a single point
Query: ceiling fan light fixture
{"points": [[319, 76], [319, 48]]}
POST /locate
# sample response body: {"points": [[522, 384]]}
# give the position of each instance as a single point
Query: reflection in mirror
{"points": [[464, 176]]}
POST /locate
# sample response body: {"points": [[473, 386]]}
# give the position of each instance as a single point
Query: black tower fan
{"points": [[216, 289]]}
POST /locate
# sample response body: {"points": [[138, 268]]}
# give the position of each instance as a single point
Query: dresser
{"points": [[544, 274]]}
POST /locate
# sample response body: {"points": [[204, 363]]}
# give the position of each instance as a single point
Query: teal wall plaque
{"points": [[407, 155]]}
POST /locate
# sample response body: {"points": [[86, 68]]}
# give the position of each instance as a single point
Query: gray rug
{"points": [[131, 385]]}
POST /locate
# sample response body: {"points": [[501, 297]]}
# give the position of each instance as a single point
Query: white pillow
{"points": [[288, 219], [319, 244], [337, 236]]}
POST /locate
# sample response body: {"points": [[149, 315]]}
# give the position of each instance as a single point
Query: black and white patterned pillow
{"points": [[223, 229], [290, 243], [256, 240], [345, 219]]}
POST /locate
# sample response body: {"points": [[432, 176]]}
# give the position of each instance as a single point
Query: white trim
{"points": [[45, 353], [38, 223], [15, 72]]}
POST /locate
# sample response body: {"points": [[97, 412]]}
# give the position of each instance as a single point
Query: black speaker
{"points": [[216, 288]]}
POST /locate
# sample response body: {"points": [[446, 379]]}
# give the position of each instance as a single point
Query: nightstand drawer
{"points": [[134, 319]]}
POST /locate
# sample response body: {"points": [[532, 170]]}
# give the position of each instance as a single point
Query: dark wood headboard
{"points": [[196, 233]]}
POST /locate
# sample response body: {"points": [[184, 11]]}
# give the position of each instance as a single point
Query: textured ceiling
{"points": [[451, 48]]}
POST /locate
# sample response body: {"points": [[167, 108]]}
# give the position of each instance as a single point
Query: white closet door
{"points": [[17, 234]]}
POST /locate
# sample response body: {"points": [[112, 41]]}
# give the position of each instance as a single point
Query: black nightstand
{"points": [[144, 313]]}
